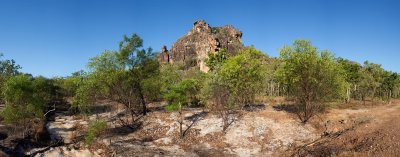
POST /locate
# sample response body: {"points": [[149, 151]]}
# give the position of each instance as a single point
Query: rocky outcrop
{"points": [[164, 56], [193, 48]]}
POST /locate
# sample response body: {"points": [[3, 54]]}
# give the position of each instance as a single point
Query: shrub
{"points": [[25, 99], [95, 129]]}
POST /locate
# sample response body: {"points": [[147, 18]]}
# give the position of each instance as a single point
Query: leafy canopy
{"points": [[312, 76], [240, 77], [26, 97]]}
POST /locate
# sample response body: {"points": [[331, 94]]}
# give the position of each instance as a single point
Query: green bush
{"points": [[25, 98], [313, 77], [242, 76], [95, 129], [86, 93]]}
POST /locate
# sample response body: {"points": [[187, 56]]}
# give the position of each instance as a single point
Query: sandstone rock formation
{"points": [[193, 48]]}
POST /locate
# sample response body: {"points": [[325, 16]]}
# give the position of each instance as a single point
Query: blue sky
{"points": [[56, 38]]}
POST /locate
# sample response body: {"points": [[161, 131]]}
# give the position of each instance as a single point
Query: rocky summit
{"points": [[193, 48]]}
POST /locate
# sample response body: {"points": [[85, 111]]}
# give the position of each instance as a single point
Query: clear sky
{"points": [[57, 37]]}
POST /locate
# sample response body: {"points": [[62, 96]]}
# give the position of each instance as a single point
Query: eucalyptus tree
{"points": [[234, 81], [312, 76], [352, 75], [8, 68], [122, 76]]}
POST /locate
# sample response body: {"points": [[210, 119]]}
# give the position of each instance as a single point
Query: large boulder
{"points": [[193, 48]]}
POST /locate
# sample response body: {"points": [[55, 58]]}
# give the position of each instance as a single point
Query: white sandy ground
{"points": [[253, 134]]}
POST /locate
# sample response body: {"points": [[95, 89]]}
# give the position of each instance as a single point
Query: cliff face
{"points": [[192, 49]]}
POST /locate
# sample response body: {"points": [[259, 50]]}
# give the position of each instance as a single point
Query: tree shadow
{"points": [[290, 108], [254, 107], [124, 130], [233, 116], [156, 108], [99, 109], [206, 152], [194, 119], [3, 136], [6, 150], [197, 116]]}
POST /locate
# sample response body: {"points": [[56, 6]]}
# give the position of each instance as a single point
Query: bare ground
{"points": [[262, 131], [374, 131]]}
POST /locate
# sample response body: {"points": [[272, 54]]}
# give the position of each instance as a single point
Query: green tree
{"points": [[182, 94], [396, 87], [352, 74], [235, 83], [388, 86], [371, 79], [127, 76], [216, 94], [69, 85], [26, 98], [8, 68], [85, 94], [313, 77], [244, 75], [215, 60], [21, 105], [45, 89], [377, 73], [170, 75], [140, 63], [272, 84], [366, 84]]}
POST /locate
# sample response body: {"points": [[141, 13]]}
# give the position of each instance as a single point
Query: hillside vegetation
{"points": [[236, 92]]}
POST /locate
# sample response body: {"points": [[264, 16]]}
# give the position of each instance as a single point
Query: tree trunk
{"points": [[225, 124], [180, 120], [373, 94], [279, 90], [363, 98], [348, 95], [142, 101], [143, 104], [225, 120], [271, 89]]}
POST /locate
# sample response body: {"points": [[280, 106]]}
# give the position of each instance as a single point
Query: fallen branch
{"points": [[54, 109]]}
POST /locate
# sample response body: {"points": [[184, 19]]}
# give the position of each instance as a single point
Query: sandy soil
{"points": [[374, 132]]}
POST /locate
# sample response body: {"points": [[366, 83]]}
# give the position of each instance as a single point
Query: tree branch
{"points": [[54, 109]]}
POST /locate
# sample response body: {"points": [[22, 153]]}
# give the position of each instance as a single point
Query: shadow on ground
{"points": [[123, 130], [254, 107], [290, 108]]}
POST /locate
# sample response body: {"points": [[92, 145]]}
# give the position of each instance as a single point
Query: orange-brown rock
{"points": [[193, 48]]}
